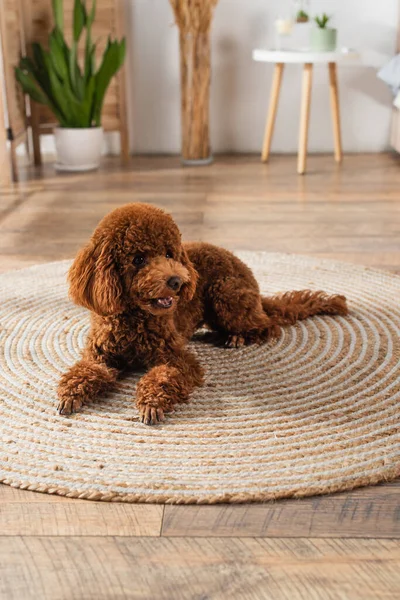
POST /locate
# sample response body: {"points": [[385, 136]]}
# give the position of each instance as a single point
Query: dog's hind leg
{"points": [[289, 307], [244, 317], [235, 311]]}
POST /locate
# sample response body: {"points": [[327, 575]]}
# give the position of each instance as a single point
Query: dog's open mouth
{"points": [[163, 302]]}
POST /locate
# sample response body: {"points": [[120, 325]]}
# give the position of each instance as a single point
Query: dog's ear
{"points": [[94, 281], [188, 288]]}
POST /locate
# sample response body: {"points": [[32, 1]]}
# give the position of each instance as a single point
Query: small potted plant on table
{"points": [[323, 38], [302, 16], [301, 10], [74, 92]]}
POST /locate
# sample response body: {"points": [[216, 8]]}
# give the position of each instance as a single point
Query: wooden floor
{"points": [[343, 546]]}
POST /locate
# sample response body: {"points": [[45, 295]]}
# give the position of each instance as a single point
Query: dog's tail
{"points": [[289, 307]]}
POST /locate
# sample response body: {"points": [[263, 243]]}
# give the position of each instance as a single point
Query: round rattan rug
{"points": [[313, 412]]}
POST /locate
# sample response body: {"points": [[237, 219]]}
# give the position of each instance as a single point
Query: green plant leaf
{"points": [[37, 68], [29, 86], [58, 55], [26, 64], [122, 52], [88, 101], [41, 72], [322, 21], [113, 58], [90, 63], [58, 14], [58, 95], [68, 105], [38, 51], [92, 14], [80, 18], [55, 90], [45, 76], [75, 75], [90, 48]]}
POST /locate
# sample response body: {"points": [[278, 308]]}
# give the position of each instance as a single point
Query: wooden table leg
{"points": [[333, 86], [273, 105], [304, 117]]}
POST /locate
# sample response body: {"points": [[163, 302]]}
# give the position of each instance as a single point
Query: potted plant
{"points": [[302, 17], [323, 38], [74, 92], [301, 10]]}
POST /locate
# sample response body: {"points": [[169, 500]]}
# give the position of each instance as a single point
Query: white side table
{"points": [[308, 59]]}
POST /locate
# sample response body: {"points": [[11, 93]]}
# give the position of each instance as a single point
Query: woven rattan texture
{"points": [[313, 412]]}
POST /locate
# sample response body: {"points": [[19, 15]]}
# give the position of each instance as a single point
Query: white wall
{"points": [[240, 87]]}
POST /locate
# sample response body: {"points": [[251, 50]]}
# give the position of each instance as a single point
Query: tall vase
{"points": [[195, 57]]}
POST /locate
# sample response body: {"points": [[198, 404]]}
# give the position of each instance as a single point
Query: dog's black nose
{"points": [[174, 283]]}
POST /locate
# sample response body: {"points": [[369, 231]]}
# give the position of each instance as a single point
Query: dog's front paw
{"points": [[156, 394], [67, 406], [150, 415], [83, 383], [235, 341]]}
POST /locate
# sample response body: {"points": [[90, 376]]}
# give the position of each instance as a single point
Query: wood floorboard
{"points": [[366, 513], [79, 518], [105, 568], [341, 546]]}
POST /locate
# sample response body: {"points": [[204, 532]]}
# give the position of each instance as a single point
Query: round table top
{"points": [[344, 55]]}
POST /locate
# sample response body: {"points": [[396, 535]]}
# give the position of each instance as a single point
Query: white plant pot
{"points": [[78, 149]]}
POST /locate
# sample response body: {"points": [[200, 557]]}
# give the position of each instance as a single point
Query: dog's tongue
{"points": [[165, 302]]}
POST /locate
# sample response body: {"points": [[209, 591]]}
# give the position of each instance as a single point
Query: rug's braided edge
{"points": [[383, 477]]}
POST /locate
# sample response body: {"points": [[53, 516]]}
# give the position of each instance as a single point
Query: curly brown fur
{"points": [[148, 293], [289, 307]]}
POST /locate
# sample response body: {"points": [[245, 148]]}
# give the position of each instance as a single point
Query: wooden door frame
{"points": [[395, 127], [5, 170], [5, 165]]}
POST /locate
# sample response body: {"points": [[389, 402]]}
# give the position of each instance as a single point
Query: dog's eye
{"points": [[168, 255], [138, 260]]}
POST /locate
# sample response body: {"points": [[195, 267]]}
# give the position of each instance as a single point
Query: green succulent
{"points": [[53, 77], [302, 15], [322, 21]]}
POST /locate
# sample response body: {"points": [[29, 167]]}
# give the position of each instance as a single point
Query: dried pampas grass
{"points": [[193, 18]]}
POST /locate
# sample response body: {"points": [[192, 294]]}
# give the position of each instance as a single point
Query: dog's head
{"points": [[134, 259]]}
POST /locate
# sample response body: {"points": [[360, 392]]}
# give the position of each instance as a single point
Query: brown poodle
{"points": [[148, 293]]}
